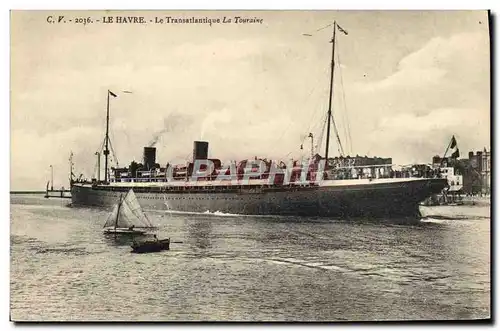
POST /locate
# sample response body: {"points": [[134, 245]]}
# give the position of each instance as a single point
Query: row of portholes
{"points": [[189, 198], [161, 197]]}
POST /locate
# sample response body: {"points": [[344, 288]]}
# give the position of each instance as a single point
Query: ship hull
{"points": [[387, 199]]}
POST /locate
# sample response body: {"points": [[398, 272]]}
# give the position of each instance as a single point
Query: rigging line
{"points": [[305, 134], [317, 116], [319, 140], [113, 151], [327, 68], [320, 144], [340, 148], [346, 115], [305, 101], [313, 122], [341, 107], [96, 170], [317, 107], [326, 26], [102, 145], [313, 129]]}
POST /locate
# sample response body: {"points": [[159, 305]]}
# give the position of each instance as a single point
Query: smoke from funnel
{"points": [[157, 137], [170, 124]]}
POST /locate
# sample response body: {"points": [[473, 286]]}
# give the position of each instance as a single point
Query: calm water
{"points": [[236, 268]]}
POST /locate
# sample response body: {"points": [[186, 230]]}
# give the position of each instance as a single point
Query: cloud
{"points": [[408, 79], [439, 61], [32, 154], [416, 138], [436, 91]]}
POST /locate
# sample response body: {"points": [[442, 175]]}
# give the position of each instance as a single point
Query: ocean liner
{"points": [[319, 186]]}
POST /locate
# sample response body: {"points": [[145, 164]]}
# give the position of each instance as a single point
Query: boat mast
{"points": [[331, 94], [118, 212]]}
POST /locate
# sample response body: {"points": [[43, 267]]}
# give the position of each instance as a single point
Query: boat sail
{"points": [[127, 217]]}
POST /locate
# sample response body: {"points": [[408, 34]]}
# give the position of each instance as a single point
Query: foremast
{"points": [[106, 139]]}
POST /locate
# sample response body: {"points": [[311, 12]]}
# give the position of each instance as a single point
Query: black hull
{"points": [[377, 198], [151, 246]]}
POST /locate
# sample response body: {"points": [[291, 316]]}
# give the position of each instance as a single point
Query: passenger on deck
{"points": [[156, 238], [131, 227]]}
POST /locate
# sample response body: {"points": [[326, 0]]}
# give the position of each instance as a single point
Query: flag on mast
{"points": [[342, 30], [454, 148], [112, 93]]}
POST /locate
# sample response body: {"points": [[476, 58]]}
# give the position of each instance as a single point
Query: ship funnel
{"points": [[200, 150], [149, 157]]}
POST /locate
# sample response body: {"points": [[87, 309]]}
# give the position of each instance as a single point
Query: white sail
{"points": [[128, 213], [111, 220], [133, 209]]}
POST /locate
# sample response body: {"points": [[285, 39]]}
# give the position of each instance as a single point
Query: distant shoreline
{"points": [[27, 192]]}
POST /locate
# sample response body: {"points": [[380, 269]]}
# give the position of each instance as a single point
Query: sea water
{"points": [[246, 268]]}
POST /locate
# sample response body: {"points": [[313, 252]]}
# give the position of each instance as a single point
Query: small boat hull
{"points": [[151, 246]]}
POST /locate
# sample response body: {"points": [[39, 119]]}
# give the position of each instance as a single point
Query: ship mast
{"points": [[329, 116], [106, 139], [330, 100]]}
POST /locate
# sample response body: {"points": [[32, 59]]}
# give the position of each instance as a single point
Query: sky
{"points": [[405, 82]]}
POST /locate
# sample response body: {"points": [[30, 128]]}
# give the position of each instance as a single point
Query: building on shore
{"points": [[475, 170], [486, 172]]}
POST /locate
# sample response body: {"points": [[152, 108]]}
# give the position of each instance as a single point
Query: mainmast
{"points": [[330, 100], [329, 116]]}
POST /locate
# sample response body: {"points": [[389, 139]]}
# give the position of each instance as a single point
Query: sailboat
{"points": [[127, 217]]}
